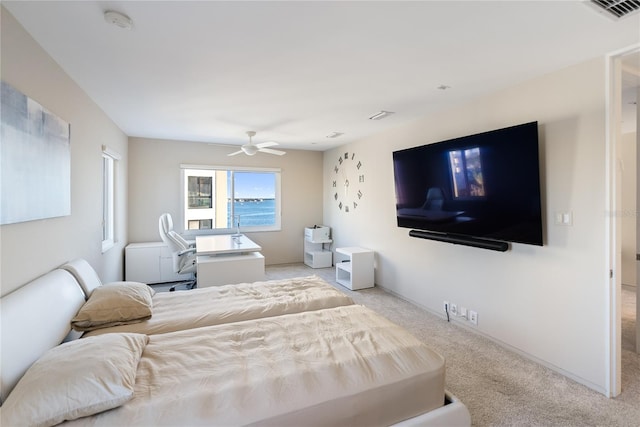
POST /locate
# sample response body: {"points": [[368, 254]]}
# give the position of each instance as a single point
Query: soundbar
{"points": [[476, 242]]}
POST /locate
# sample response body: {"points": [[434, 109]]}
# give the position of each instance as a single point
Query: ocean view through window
{"points": [[215, 198]]}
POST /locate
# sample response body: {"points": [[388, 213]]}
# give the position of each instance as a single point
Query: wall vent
{"points": [[617, 9]]}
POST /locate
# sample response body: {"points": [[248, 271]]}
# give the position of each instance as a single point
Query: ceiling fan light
{"points": [[381, 115], [249, 150]]}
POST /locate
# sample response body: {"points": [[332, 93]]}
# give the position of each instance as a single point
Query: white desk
{"points": [[221, 244], [226, 259]]}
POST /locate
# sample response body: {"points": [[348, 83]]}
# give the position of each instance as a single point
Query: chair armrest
{"points": [[187, 251]]}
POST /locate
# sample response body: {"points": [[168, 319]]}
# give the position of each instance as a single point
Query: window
{"points": [[199, 224], [466, 173], [216, 199], [109, 161], [199, 192]]}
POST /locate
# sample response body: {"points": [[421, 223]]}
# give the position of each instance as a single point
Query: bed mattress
{"points": [[177, 311], [339, 366]]}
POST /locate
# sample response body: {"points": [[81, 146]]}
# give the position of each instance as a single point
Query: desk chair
{"points": [[183, 254]]}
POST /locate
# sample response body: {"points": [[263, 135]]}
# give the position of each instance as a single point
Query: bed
{"points": [[336, 366], [175, 311]]}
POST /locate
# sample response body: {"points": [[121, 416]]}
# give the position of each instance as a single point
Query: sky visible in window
{"points": [[254, 185]]}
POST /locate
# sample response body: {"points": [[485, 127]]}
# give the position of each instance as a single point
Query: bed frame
{"points": [[36, 318], [33, 319]]}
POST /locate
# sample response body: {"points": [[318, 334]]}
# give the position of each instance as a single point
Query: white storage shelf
{"points": [[317, 254], [317, 233], [150, 263], [355, 272], [317, 247]]}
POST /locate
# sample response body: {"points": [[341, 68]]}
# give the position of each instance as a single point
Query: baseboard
{"points": [[504, 345]]}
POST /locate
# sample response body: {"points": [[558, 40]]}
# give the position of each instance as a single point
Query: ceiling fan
{"points": [[250, 149]]}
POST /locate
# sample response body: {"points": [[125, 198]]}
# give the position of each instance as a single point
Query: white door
{"points": [[637, 211]]}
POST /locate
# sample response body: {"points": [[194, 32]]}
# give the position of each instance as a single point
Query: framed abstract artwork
{"points": [[35, 160]]}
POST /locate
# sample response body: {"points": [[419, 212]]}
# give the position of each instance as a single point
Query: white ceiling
{"points": [[297, 71]]}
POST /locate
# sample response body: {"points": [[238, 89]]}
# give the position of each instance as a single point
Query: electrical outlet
{"points": [[462, 312], [453, 309], [445, 306], [473, 317]]}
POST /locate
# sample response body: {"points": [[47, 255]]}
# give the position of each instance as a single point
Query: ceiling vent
{"points": [[617, 9]]}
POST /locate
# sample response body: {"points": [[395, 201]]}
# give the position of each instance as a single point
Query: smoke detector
{"points": [[118, 19]]}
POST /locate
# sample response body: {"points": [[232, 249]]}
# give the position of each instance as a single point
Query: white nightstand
{"points": [[356, 272]]}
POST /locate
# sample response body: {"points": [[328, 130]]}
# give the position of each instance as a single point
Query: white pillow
{"points": [[115, 304], [76, 379]]}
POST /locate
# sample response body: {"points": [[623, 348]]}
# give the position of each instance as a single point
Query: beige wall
{"points": [[31, 249], [154, 188], [547, 302]]}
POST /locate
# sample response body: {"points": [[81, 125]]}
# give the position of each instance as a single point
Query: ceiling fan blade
{"points": [[266, 144], [270, 151], [250, 149]]}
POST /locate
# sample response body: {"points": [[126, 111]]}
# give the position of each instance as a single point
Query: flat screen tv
{"points": [[484, 186]]}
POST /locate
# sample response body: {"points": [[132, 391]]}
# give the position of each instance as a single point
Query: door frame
{"points": [[613, 275]]}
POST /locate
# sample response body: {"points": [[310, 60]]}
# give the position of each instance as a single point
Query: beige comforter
{"points": [[339, 366], [177, 311]]}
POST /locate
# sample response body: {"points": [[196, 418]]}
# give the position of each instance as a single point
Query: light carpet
{"points": [[498, 386]]}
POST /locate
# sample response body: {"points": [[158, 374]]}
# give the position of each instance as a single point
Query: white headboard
{"points": [[33, 319], [84, 274]]}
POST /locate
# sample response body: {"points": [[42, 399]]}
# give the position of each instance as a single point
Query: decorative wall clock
{"points": [[347, 182]]}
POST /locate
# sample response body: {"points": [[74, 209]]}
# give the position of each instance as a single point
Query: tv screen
{"points": [[479, 186]]}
